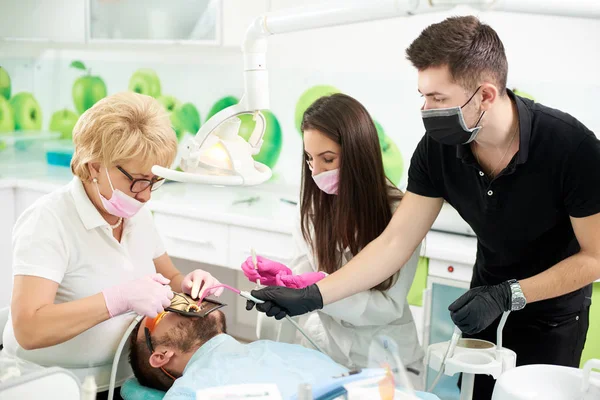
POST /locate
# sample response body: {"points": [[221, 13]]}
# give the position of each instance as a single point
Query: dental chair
{"points": [[24, 380]]}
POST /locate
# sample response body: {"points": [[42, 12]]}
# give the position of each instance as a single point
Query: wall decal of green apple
{"points": [[307, 98], [27, 112], [87, 89], [145, 81], [64, 121], [272, 139], [185, 117], [393, 162], [5, 84]]}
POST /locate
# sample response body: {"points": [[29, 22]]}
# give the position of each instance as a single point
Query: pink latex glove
{"points": [[267, 271], [198, 284], [299, 281], [146, 296]]}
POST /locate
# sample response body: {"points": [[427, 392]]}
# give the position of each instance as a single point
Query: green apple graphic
{"points": [[64, 121], [185, 118], [7, 119], [308, 97], [4, 84], [87, 89], [145, 81], [272, 138], [27, 112], [170, 103], [523, 94], [221, 104], [393, 163]]}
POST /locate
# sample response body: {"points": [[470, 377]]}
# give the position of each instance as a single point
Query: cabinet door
{"points": [[43, 20], [155, 21], [440, 330], [7, 218]]}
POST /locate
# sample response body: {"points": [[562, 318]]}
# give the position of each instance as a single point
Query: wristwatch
{"points": [[518, 299]]}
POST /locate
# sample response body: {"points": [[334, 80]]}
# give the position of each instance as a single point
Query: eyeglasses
{"points": [[139, 185], [180, 304]]}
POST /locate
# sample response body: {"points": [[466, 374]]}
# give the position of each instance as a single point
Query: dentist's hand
{"points": [[299, 281], [198, 284], [147, 296], [479, 307], [267, 270], [282, 301]]}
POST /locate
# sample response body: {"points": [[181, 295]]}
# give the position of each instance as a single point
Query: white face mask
{"points": [[328, 181], [119, 204]]}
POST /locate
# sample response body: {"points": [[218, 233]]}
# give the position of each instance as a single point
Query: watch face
{"points": [[518, 303]]}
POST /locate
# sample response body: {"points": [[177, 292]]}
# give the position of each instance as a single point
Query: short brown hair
{"points": [[139, 356], [472, 51]]}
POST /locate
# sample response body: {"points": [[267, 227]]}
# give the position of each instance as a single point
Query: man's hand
{"points": [[479, 307], [282, 301]]}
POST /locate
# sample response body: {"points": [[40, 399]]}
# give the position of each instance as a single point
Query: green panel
{"points": [[592, 342], [415, 295]]}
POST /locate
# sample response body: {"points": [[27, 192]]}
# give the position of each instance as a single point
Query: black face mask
{"points": [[447, 125]]}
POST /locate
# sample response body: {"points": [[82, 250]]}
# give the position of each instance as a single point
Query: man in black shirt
{"points": [[525, 177]]}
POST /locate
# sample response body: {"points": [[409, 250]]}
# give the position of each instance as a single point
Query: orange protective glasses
{"points": [[149, 326]]}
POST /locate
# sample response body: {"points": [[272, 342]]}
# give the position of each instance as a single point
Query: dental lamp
{"points": [[217, 155]]}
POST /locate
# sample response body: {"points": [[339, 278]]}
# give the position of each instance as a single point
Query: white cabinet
{"points": [[7, 218], [237, 16], [155, 21], [43, 20], [193, 239], [272, 245], [218, 243]]}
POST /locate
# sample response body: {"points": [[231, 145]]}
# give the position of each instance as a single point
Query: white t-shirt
{"points": [[62, 237]]}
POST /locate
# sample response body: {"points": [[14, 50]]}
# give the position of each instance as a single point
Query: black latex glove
{"points": [[479, 307], [281, 301]]}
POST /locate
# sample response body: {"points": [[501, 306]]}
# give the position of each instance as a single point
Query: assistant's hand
{"points": [[198, 284], [282, 301], [479, 307], [266, 270], [299, 281]]}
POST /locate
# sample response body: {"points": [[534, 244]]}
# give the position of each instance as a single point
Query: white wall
{"points": [[554, 58]]}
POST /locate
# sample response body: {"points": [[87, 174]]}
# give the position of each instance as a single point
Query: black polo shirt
{"points": [[521, 217]]}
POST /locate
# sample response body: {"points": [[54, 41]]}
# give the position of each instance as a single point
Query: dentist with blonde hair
{"points": [[89, 253]]}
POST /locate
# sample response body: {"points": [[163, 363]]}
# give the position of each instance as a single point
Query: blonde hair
{"points": [[120, 128]]}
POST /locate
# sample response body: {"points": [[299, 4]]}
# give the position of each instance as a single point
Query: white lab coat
{"points": [[345, 329]]}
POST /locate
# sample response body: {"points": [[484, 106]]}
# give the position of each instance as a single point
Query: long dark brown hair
{"points": [[361, 210]]}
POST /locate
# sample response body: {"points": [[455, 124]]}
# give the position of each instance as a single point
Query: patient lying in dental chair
{"points": [[181, 355]]}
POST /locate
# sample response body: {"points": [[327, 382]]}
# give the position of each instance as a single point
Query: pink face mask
{"points": [[328, 181], [119, 205]]}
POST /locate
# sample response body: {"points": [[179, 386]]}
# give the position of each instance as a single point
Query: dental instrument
{"points": [[456, 335], [255, 262], [248, 296]]}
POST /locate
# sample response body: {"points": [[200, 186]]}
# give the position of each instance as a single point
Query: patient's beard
{"points": [[192, 332]]}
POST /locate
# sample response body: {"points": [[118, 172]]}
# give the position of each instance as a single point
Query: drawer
{"points": [[450, 270], [272, 245], [193, 239]]}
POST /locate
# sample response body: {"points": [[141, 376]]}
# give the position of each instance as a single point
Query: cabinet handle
{"points": [[201, 243]]}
